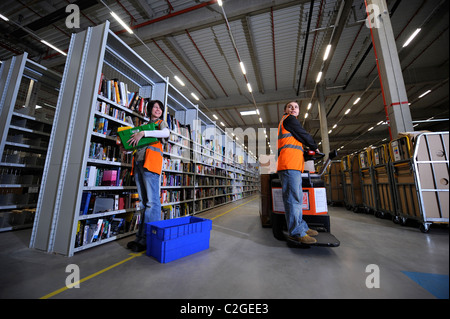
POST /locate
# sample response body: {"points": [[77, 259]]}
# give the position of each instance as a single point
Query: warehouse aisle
{"points": [[244, 261]]}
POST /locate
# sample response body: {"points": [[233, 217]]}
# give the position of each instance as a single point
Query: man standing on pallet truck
{"points": [[291, 138]]}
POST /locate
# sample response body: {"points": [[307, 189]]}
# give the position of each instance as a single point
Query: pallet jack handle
{"points": [[331, 155]]}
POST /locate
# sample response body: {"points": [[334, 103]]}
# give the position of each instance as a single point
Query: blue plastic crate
{"points": [[171, 239]]}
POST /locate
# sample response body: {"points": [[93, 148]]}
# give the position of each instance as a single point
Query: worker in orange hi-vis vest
{"points": [[291, 138], [147, 167]]}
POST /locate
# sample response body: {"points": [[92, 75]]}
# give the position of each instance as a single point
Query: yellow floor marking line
{"points": [[234, 208], [133, 255]]}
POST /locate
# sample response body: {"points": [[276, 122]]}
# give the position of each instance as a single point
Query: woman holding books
{"points": [[147, 166]]}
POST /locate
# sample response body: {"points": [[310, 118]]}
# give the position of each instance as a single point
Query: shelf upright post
{"points": [[68, 148]]}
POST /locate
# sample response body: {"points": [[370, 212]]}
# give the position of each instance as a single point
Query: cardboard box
{"points": [[268, 164]]}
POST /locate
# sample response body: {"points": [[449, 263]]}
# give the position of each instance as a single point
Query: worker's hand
{"points": [[135, 138]]}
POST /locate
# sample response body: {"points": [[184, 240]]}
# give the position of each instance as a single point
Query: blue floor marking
{"points": [[434, 283]]}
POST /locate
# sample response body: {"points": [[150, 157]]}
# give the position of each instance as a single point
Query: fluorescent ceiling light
{"points": [[219, 2], [248, 113], [348, 111], [423, 94], [249, 87], [411, 37], [306, 115], [370, 129], [260, 119], [309, 106], [327, 52], [121, 22], [3, 17], [215, 116], [179, 80], [242, 67], [356, 101], [334, 126], [38, 107], [221, 123], [195, 96], [329, 132], [53, 47], [319, 76]]}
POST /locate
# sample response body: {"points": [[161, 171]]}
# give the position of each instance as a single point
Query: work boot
{"points": [[312, 232], [304, 240], [307, 240]]}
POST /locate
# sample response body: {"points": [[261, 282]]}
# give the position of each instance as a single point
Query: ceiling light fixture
{"points": [[195, 96], [411, 37], [348, 111], [179, 80], [249, 87], [356, 101], [3, 17], [242, 67], [215, 116], [244, 113], [319, 76], [121, 22], [327, 52], [53, 47], [423, 94], [219, 2]]}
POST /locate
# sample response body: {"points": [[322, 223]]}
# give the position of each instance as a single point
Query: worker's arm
{"points": [[162, 133], [157, 133], [292, 125]]}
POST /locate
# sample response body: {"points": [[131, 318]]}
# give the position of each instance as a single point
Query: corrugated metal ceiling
{"points": [[190, 38]]}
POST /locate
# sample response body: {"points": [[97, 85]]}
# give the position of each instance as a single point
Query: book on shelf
{"points": [[117, 91], [99, 176]]}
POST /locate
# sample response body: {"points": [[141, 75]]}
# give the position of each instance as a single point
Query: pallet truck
{"points": [[315, 210]]}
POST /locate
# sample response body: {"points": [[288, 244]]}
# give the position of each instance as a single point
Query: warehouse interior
{"points": [[240, 62]]}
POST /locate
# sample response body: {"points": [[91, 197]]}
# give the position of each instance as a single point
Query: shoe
{"points": [[307, 240], [304, 240], [131, 244], [312, 232], [138, 247]]}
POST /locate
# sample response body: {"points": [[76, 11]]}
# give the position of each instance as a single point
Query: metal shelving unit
{"points": [[29, 93], [59, 221]]}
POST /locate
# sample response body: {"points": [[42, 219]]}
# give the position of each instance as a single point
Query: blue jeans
{"points": [[148, 186], [291, 184]]}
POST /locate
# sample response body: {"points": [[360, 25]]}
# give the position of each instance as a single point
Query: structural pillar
{"points": [[393, 88], [323, 121]]}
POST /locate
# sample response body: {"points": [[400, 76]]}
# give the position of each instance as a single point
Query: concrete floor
{"points": [[244, 261]]}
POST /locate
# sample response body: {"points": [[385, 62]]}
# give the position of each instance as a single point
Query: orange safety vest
{"points": [[290, 150], [153, 156]]}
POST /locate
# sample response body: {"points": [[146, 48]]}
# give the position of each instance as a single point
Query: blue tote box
{"points": [[171, 239]]}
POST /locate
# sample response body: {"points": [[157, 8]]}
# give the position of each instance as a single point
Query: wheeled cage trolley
{"points": [[334, 183], [369, 194], [383, 182], [351, 182], [421, 177]]}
